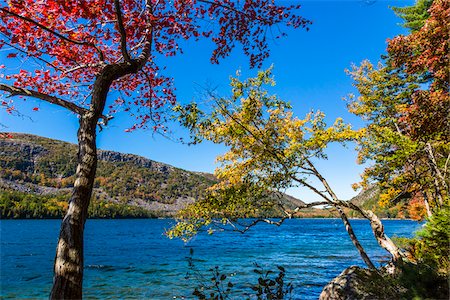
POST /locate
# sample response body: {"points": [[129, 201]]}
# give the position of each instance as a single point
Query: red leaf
{"points": [[11, 55], [35, 108]]}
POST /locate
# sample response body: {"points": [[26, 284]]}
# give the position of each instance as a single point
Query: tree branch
{"points": [[100, 53], [32, 56], [312, 204], [232, 9], [242, 228], [146, 49], [15, 91], [82, 66], [123, 34]]}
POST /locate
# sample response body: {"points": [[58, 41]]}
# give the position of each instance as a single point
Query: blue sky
{"points": [[309, 70]]}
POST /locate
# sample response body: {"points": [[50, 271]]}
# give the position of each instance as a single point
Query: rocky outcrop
{"points": [[28, 150], [25, 153], [363, 284], [404, 281], [366, 195], [347, 286], [112, 156]]}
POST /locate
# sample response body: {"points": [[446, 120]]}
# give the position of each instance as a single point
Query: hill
{"points": [[368, 199], [37, 173]]}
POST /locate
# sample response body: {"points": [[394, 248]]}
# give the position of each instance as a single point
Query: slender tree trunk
{"points": [[378, 230], [440, 182], [427, 204], [68, 266], [354, 239], [377, 227], [382, 239], [348, 226], [432, 200]]}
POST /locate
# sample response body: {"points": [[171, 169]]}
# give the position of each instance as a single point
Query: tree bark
{"points": [[440, 182], [382, 239], [378, 231], [348, 226], [68, 266], [427, 204], [354, 239]]}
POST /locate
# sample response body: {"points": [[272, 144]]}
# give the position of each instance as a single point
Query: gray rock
{"points": [[350, 284]]}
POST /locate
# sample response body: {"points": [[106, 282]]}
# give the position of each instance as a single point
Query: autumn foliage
{"points": [[70, 42], [406, 102], [93, 56]]}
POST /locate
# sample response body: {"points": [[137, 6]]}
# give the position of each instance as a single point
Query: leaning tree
{"points": [[88, 56], [269, 150]]}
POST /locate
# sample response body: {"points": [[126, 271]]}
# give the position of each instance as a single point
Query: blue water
{"points": [[132, 259]]}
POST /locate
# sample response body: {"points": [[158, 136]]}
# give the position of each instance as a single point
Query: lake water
{"points": [[132, 259]]}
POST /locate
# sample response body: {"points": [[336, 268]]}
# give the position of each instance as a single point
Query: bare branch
{"points": [[242, 228], [123, 34], [312, 188], [15, 91], [82, 67], [100, 53], [312, 204], [227, 7], [323, 180]]}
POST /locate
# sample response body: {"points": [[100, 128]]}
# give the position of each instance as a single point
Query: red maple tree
{"points": [[83, 51]]}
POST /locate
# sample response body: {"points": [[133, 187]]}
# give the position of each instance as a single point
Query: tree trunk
{"points": [[354, 239], [378, 230], [348, 226], [440, 182], [427, 204], [377, 227], [382, 239], [68, 266]]}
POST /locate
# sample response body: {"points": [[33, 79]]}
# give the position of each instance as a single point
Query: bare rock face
{"points": [[112, 156], [350, 284]]}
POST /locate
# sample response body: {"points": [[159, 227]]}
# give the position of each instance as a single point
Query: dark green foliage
{"points": [[414, 16], [411, 281], [422, 282], [272, 288], [431, 246], [17, 205], [434, 240], [428, 276]]}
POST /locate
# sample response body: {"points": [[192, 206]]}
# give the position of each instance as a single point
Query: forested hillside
{"points": [[369, 198], [40, 172], [37, 174]]}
